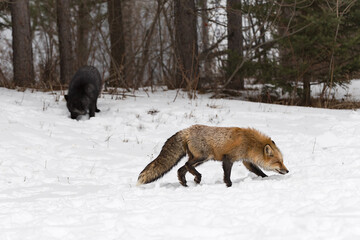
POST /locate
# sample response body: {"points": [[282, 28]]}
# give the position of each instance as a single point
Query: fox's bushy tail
{"points": [[171, 153]]}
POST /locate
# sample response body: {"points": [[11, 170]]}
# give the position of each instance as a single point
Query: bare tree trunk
{"points": [[205, 40], [306, 90], [3, 80], [22, 45], [147, 41], [64, 32], [235, 39], [128, 24], [186, 47], [83, 29], [116, 29]]}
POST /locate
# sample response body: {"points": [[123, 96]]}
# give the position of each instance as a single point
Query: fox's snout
{"points": [[282, 171]]}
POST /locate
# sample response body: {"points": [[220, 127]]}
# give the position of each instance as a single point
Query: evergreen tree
{"points": [[322, 45]]}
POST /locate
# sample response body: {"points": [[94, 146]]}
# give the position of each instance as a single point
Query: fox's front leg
{"points": [[254, 169], [227, 165]]}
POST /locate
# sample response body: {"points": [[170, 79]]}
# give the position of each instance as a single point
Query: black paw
{"points": [[197, 179], [228, 184], [182, 179], [183, 183]]}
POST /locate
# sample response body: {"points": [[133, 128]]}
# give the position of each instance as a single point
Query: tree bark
{"points": [[128, 23], [235, 40], [83, 29], [147, 41], [65, 40], [306, 90], [22, 43], [186, 47], [205, 40], [3, 80], [117, 41]]}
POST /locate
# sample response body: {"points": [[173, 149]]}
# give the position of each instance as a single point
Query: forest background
{"points": [[278, 49]]}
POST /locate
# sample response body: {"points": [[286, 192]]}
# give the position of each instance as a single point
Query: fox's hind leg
{"points": [[190, 166], [254, 169], [181, 175], [183, 170]]}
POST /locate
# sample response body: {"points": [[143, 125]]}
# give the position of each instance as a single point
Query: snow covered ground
{"points": [[67, 179]]}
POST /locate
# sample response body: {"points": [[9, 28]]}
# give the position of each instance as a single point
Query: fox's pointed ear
{"points": [[268, 150], [66, 97]]}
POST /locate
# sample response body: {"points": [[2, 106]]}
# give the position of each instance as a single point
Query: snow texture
{"points": [[68, 179]]}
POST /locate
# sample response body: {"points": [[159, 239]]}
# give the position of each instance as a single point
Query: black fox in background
{"points": [[84, 90]]}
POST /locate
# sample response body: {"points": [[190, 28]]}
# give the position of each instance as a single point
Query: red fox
{"points": [[226, 144]]}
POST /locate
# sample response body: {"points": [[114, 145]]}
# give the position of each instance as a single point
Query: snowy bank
{"points": [[67, 179]]}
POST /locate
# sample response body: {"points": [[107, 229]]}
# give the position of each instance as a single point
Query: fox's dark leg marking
{"points": [[197, 179], [181, 175], [227, 165], [199, 163], [182, 171], [190, 166], [254, 169]]}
